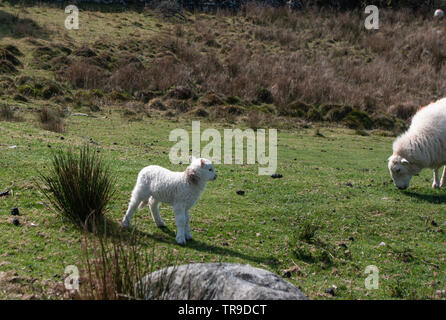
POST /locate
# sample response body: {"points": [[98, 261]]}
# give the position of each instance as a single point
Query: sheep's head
{"points": [[401, 171], [200, 169]]}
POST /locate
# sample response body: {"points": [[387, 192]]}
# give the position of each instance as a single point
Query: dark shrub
{"points": [[181, 92], [336, 114], [358, 119], [7, 67], [264, 95], [200, 112], [50, 91], [295, 109], [19, 97], [384, 122], [157, 104], [79, 186], [314, 115], [211, 99]]}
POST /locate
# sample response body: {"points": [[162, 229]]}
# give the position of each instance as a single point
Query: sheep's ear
{"points": [[192, 159], [404, 161], [202, 163]]}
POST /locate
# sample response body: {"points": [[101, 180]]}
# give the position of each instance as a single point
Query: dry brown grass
{"points": [[51, 120]]}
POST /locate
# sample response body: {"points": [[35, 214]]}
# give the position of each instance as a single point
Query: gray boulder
{"points": [[216, 281]]}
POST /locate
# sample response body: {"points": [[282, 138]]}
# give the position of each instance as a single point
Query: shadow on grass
{"points": [[168, 237], [14, 26], [432, 198]]}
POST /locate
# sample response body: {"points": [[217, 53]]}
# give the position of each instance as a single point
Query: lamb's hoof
{"points": [[161, 225], [181, 241], [189, 237], [435, 186]]}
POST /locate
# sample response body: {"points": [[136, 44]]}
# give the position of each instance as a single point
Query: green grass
{"points": [[335, 186], [262, 227]]}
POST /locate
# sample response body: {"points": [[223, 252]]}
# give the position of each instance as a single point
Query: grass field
{"points": [[334, 212], [265, 227]]}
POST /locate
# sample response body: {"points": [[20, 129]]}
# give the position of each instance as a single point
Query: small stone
{"points": [[332, 290], [15, 212], [4, 194], [382, 244]]}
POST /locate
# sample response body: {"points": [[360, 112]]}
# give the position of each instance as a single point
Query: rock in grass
{"points": [[4, 194], [15, 212], [217, 281], [332, 290]]}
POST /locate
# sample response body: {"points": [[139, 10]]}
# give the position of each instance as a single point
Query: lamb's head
{"points": [[401, 171], [200, 169]]}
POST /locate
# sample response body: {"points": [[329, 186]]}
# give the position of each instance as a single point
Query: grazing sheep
{"points": [[439, 14], [182, 190], [422, 146]]}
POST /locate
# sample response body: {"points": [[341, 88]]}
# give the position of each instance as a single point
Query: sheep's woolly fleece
{"points": [[182, 190]]}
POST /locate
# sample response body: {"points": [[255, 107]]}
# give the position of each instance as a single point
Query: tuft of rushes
{"points": [[78, 186]]}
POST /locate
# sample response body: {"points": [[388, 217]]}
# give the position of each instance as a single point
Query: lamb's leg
{"points": [[436, 183], [154, 209], [180, 220], [443, 178], [137, 197], [187, 227]]}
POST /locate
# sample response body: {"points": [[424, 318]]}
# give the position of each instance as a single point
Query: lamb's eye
{"points": [[210, 169]]}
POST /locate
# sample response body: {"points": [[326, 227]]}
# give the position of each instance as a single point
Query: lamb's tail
{"points": [[142, 204]]}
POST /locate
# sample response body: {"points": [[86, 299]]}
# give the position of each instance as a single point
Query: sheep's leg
{"points": [[436, 183], [154, 209], [443, 178], [187, 227], [180, 220], [134, 202]]}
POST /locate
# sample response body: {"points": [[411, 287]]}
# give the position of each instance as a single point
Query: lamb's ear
{"points": [[192, 159], [404, 161], [202, 163]]}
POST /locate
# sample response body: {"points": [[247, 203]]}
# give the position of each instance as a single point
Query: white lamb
{"points": [[182, 190], [422, 146]]}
